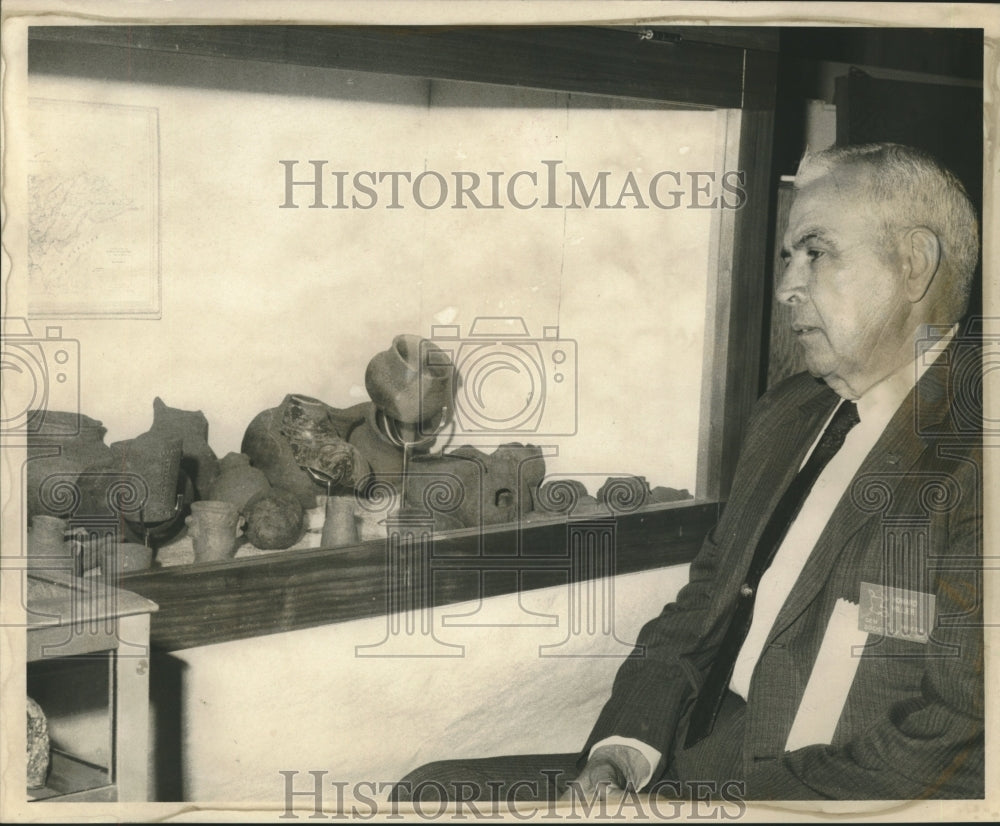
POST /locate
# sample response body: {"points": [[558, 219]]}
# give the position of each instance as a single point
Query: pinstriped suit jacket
{"points": [[912, 725]]}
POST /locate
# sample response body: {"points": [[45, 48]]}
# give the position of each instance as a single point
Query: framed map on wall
{"points": [[93, 247]]}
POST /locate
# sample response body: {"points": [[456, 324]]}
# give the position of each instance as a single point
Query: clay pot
{"points": [[156, 459], [316, 435], [274, 520], [47, 545], [339, 526], [214, 528], [198, 460], [64, 446], [126, 557], [383, 457], [79, 437], [238, 482], [411, 381], [52, 487], [476, 488]]}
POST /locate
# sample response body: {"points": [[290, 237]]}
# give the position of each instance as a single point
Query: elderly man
{"points": [[829, 641]]}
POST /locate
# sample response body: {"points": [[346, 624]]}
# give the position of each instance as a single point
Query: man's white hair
{"points": [[908, 188]]}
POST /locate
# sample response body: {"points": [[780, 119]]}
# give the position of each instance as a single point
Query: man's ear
{"points": [[920, 256]]}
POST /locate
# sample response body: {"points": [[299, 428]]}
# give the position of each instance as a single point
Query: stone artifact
{"points": [[411, 381], [623, 494], [476, 488], [560, 496], [237, 481], [305, 431], [198, 461], [662, 494], [275, 520], [214, 528], [39, 753]]}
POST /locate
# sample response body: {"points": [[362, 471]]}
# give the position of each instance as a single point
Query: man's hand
{"points": [[601, 779], [609, 771]]}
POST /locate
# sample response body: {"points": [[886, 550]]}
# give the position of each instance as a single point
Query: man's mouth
{"points": [[803, 329]]}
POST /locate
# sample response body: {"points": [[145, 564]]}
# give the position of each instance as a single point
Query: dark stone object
{"points": [[663, 494], [39, 753]]}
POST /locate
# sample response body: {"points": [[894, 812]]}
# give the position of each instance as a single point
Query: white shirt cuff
{"points": [[651, 755]]}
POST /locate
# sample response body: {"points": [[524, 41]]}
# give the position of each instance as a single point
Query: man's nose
{"points": [[791, 285]]}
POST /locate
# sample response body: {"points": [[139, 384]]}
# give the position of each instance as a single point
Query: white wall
{"points": [[259, 301]]}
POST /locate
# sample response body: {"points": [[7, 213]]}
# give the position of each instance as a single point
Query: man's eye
{"points": [[814, 254]]}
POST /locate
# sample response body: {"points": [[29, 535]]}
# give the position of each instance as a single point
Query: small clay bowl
{"points": [[127, 557]]}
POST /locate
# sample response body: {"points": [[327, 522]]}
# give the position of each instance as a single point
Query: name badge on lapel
{"points": [[896, 612]]}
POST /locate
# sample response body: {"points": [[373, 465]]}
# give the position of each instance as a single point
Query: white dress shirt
{"points": [[875, 408]]}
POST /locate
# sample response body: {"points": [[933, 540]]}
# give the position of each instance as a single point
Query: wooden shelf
{"points": [[285, 591], [71, 620], [71, 779]]}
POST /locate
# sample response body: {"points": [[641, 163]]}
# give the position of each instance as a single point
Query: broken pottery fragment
{"points": [[198, 461]]}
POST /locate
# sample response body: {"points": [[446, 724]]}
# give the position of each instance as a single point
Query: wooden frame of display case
{"points": [[692, 67], [71, 619]]}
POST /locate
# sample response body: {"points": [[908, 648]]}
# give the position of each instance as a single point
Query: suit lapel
{"points": [[897, 450]]}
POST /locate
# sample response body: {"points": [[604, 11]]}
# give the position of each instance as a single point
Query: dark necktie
{"points": [[710, 697]]}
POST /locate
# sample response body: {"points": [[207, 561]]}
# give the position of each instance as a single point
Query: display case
{"points": [[88, 667]]}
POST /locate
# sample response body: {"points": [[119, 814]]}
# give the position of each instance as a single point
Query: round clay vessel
{"points": [[126, 557], [315, 436], [238, 482], [411, 381], [214, 528]]}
